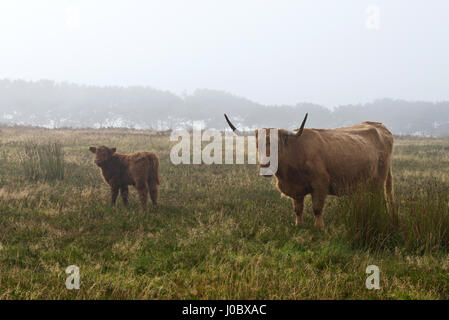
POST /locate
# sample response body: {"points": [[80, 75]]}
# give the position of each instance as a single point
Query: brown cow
{"points": [[121, 170], [325, 162]]}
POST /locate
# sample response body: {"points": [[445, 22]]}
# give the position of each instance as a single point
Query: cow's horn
{"points": [[302, 126], [236, 131]]}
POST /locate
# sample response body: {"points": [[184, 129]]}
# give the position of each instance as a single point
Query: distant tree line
{"points": [[56, 105]]}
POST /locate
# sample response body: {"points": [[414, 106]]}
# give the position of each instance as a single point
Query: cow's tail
{"points": [[389, 187], [154, 168]]}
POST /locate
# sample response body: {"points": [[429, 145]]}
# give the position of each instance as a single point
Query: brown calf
{"points": [[140, 170]]}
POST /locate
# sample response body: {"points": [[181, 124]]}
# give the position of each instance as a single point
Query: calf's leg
{"points": [[124, 193], [142, 189], [114, 194], [153, 192]]}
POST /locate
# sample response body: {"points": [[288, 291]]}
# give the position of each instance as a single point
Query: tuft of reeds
{"points": [[425, 225], [418, 222], [42, 161], [368, 221]]}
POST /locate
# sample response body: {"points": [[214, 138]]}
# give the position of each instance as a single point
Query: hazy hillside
{"points": [[50, 104]]}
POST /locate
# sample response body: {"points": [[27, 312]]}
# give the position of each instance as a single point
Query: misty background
{"points": [[162, 64]]}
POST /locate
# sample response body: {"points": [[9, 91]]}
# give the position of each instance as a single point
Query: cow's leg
{"points": [[153, 192], [318, 200], [114, 194], [142, 189], [298, 205], [124, 193]]}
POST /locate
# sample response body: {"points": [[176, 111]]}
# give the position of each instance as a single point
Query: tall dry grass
{"points": [[42, 161], [418, 222], [425, 218], [368, 221]]}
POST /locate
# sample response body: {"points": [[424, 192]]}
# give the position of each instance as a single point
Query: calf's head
{"points": [[285, 140], [102, 154]]}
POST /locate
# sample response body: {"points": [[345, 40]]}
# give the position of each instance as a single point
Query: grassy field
{"points": [[220, 231]]}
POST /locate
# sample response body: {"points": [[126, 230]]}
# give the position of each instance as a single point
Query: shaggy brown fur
{"points": [[140, 170], [331, 162]]}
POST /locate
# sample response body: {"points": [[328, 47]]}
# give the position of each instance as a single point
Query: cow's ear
{"points": [[113, 150], [93, 149]]}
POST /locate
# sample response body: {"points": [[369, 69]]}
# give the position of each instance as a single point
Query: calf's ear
{"points": [[113, 150], [93, 149]]}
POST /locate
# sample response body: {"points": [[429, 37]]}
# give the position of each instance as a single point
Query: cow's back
{"points": [[349, 155], [143, 165], [368, 133]]}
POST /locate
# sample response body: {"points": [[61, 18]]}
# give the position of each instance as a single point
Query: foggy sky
{"points": [[272, 52]]}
